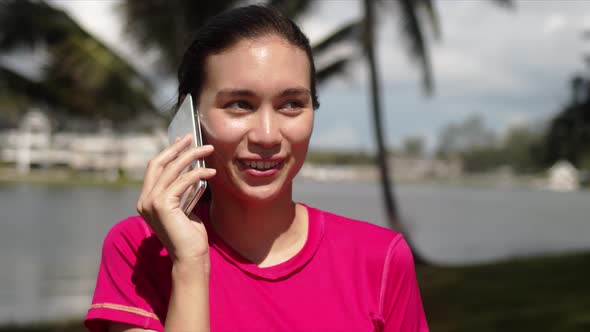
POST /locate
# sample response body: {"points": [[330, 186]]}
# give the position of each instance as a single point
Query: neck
{"points": [[266, 233]]}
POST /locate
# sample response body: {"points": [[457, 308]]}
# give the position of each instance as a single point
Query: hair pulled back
{"points": [[228, 28]]}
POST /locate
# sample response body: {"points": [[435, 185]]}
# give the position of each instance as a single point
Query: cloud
{"points": [[554, 23], [464, 73]]}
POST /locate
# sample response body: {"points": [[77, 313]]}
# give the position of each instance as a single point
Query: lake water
{"points": [[50, 237]]}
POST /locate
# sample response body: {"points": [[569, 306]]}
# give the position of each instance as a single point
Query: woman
{"points": [[248, 258]]}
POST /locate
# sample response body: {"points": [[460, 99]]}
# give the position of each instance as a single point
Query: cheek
{"points": [[222, 130], [298, 133]]}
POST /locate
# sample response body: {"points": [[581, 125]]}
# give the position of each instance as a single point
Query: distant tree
{"points": [[519, 149], [413, 146], [340, 158], [568, 135], [455, 138], [481, 151]]}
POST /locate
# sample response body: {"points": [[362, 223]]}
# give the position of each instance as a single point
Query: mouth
{"points": [[261, 165], [262, 168]]}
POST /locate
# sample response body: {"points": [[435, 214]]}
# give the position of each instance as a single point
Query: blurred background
{"points": [[463, 124]]}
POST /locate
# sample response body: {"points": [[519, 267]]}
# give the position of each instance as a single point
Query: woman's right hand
{"points": [[159, 202]]}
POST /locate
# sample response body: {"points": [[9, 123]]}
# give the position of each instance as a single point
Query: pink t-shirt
{"points": [[349, 276]]}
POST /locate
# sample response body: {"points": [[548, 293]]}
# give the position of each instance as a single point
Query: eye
{"points": [[239, 106], [292, 105]]}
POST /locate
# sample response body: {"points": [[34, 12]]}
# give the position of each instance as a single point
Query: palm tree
{"points": [[166, 26], [79, 75], [412, 14]]}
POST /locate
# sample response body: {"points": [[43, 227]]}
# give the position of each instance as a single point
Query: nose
{"points": [[265, 130]]}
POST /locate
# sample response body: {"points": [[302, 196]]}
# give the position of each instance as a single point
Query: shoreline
{"points": [[66, 177], [63, 177]]}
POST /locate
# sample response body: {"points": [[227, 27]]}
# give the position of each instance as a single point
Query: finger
{"points": [[174, 168], [183, 182], [156, 165]]}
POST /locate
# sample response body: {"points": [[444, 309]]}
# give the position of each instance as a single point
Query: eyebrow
{"points": [[235, 92], [230, 92], [295, 91]]}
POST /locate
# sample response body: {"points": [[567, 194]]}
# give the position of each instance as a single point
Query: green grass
{"points": [[74, 326], [532, 294], [535, 294]]}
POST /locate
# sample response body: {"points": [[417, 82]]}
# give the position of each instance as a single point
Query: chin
{"points": [[262, 194]]}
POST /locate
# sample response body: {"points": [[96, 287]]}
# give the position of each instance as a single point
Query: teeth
{"points": [[261, 165]]}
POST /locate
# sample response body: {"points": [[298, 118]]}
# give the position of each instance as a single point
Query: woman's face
{"points": [[256, 110]]}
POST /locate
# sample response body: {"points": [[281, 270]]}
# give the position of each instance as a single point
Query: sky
{"points": [[511, 66]]}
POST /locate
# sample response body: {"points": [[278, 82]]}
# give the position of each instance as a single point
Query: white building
{"points": [[34, 143], [563, 176], [27, 144]]}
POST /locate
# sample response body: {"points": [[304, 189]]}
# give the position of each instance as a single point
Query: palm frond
{"points": [[13, 83], [506, 3], [167, 26], [350, 31], [81, 75], [292, 8], [414, 37], [26, 23], [432, 14], [332, 69]]}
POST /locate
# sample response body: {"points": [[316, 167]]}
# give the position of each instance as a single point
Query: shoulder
{"points": [[133, 278], [376, 257], [130, 229], [352, 231], [362, 241], [127, 236]]}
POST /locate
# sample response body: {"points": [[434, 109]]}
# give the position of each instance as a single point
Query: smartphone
{"points": [[187, 121]]}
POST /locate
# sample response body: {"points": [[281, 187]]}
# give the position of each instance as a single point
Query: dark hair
{"points": [[226, 29]]}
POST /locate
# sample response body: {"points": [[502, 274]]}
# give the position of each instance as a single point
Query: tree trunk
{"points": [[384, 168], [391, 209]]}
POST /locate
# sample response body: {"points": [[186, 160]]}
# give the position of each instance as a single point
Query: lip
{"points": [[258, 173]]}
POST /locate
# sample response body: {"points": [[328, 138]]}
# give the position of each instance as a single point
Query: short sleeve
{"points": [[125, 290], [400, 302]]}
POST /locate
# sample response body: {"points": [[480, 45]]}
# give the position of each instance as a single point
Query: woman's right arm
{"points": [[185, 239], [188, 309]]}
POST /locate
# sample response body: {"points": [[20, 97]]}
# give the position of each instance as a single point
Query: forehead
{"points": [[268, 62]]}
